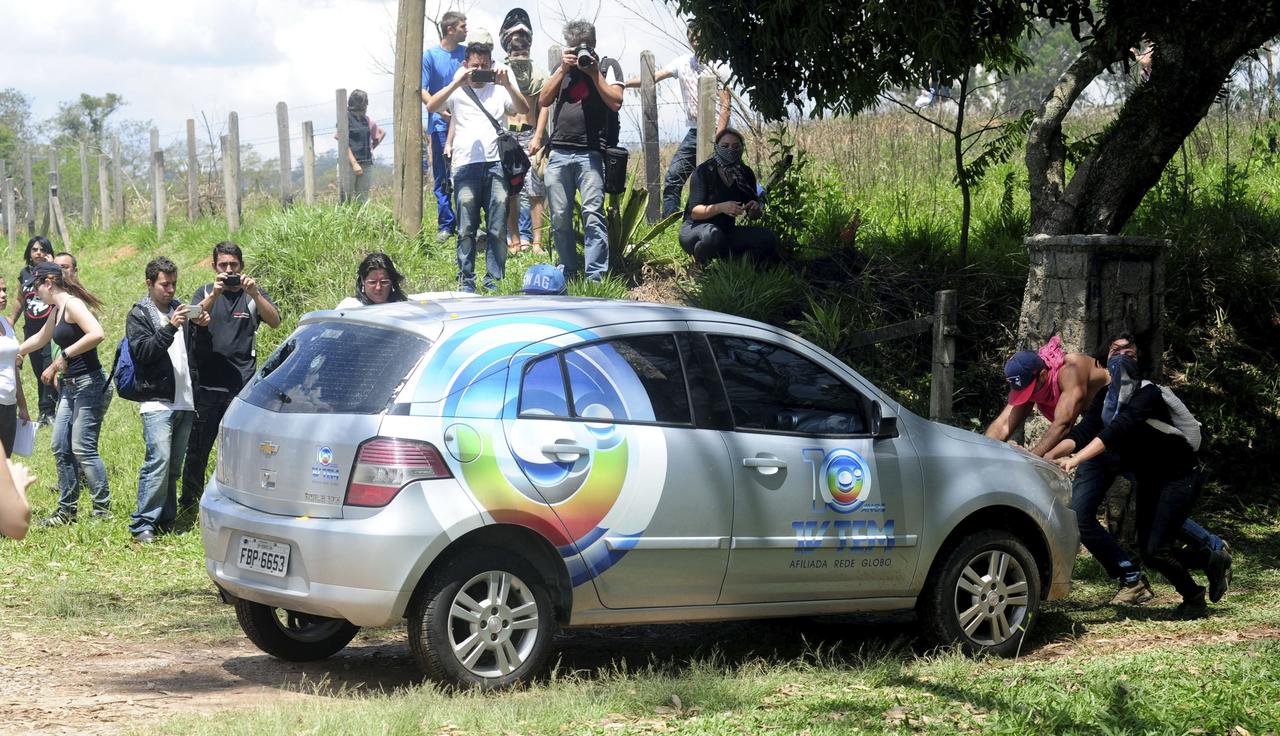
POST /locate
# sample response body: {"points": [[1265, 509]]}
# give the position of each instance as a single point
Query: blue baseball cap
{"points": [[1020, 372], [543, 278]]}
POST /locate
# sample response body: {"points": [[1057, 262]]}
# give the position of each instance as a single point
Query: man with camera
{"points": [[231, 309], [487, 96], [581, 98]]}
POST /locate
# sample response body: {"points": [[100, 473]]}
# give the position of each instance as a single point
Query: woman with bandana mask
{"points": [[1130, 422], [721, 190]]}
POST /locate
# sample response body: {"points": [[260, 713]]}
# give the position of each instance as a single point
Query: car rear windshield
{"points": [[335, 367]]}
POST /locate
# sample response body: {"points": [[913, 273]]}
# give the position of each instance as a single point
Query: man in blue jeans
{"points": [[580, 97], [475, 106], [686, 69], [160, 344], [439, 64]]}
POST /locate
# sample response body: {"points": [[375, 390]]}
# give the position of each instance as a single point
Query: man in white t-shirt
{"points": [[686, 69], [160, 344], [478, 96]]}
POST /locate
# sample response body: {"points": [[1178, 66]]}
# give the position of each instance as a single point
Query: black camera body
{"points": [[232, 279], [586, 56], [483, 76]]}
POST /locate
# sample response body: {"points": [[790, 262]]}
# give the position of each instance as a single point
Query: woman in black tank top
{"points": [[81, 400]]}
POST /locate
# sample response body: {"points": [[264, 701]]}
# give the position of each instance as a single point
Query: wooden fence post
{"points": [[286, 160], [117, 180], [28, 193], [407, 118], [945, 313], [706, 115], [344, 142], [56, 221], [553, 56], [50, 223], [308, 162], [86, 194], [159, 195], [5, 217], [104, 190], [151, 161], [649, 134], [232, 168], [9, 222], [193, 173]]}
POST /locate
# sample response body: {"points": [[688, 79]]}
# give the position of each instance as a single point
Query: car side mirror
{"points": [[882, 427]]}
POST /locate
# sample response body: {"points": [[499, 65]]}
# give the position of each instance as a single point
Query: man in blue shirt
{"points": [[439, 64]]}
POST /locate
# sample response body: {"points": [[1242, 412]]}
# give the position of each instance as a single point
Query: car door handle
{"points": [[766, 465], [564, 448]]}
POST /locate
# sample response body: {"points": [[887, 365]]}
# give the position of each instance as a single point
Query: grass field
{"points": [[1092, 667]]}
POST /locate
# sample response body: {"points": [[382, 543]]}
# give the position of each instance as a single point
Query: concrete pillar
{"points": [[1086, 288]]}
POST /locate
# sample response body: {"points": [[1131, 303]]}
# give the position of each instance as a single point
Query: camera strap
{"points": [[476, 99]]}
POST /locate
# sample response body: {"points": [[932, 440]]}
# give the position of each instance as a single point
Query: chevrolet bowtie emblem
{"points": [[269, 448]]}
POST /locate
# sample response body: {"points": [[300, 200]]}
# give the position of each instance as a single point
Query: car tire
{"points": [[293, 636], [984, 595], [485, 620]]}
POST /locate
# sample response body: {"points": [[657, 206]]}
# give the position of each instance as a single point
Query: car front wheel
{"points": [[290, 635], [485, 620], [984, 595]]}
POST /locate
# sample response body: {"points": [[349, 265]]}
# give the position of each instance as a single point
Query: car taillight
{"points": [[385, 465]]}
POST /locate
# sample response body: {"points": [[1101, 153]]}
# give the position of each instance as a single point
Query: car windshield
{"points": [[335, 367]]}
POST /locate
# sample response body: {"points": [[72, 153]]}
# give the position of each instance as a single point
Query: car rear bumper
{"points": [[361, 570]]}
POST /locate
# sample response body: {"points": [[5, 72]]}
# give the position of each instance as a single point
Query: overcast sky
{"points": [[179, 59]]}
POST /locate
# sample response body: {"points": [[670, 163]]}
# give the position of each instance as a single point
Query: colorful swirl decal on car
{"points": [[591, 505], [841, 477]]}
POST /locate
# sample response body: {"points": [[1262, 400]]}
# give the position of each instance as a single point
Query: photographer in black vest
{"points": [[581, 97]]}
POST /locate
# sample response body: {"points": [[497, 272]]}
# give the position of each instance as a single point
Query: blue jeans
{"points": [[1092, 481], [570, 171], [681, 168], [526, 218], [481, 186], [165, 435], [439, 179], [81, 404]]}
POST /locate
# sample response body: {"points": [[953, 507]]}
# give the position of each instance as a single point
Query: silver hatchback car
{"points": [[492, 468]]}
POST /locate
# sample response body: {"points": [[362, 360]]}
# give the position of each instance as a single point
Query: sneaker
{"points": [[443, 236], [58, 519], [1193, 606], [1219, 572], [145, 536], [100, 513], [1135, 593]]}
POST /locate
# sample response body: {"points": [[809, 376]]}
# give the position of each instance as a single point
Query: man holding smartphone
{"points": [[476, 99], [223, 352]]}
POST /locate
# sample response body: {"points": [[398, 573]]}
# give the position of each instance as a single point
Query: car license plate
{"points": [[261, 555]]}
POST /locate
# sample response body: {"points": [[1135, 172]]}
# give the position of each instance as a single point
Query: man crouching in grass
{"points": [[160, 344]]}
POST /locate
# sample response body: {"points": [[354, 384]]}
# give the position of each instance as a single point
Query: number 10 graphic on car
{"points": [[841, 477]]}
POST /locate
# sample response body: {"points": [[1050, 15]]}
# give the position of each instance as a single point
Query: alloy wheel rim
{"points": [[493, 624], [991, 597]]}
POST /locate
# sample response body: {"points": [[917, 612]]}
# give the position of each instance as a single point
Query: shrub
{"points": [[740, 286]]}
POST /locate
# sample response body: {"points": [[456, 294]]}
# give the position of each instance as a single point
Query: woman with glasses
{"points": [[377, 282], [77, 332], [721, 190], [29, 304]]}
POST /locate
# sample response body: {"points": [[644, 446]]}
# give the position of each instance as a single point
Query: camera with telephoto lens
{"points": [[232, 279], [585, 55]]}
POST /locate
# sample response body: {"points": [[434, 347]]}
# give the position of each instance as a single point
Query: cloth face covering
{"points": [[1124, 380]]}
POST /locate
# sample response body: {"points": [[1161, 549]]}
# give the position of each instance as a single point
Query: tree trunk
{"points": [[1192, 59], [962, 176], [407, 174]]}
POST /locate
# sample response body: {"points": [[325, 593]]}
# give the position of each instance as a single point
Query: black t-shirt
{"points": [[707, 186], [224, 351], [36, 311], [579, 112]]}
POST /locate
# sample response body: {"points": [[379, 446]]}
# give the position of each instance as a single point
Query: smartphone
{"points": [[194, 311], [483, 76]]}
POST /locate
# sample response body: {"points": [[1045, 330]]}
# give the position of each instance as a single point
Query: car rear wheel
{"points": [[290, 635], [984, 595], [485, 620]]}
